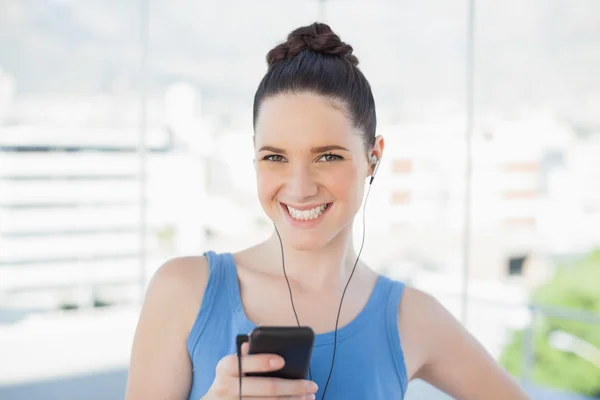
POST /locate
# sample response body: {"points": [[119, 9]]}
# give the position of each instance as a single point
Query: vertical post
{"points": [[142, 142], [529, 348], [468, 166]]}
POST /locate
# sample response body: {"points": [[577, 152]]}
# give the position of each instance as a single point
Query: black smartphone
{"points": [[293, 343]]}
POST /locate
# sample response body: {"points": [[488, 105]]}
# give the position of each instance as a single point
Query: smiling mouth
{"points": [[306, 215]]}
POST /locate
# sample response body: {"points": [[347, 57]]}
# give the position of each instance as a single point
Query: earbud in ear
{"points": [[375, 162]]}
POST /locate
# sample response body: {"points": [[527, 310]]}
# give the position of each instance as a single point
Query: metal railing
{"points": [[562, 341], [560, 313]]}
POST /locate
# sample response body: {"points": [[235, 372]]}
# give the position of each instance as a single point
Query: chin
{"points": [[304, 242]]}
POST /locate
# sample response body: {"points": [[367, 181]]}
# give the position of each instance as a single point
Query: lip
{"points": [[304, 224]]}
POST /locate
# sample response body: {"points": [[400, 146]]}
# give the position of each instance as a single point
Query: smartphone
{"points": [[293, 343]]}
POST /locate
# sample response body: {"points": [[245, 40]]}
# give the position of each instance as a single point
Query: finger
{"points": [[309, 397], [250, 363], [277, 387], [245, 348]]}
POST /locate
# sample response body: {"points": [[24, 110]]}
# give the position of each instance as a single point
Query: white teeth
{"points": [[306, 215]]}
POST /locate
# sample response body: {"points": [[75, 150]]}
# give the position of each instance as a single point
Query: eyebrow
{"points": [[320, 149]]}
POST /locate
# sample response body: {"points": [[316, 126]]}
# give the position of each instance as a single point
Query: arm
{"points": [[160, 367], [450, 358]]}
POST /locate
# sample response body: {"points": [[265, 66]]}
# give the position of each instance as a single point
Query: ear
{"points": [[377, 152]]}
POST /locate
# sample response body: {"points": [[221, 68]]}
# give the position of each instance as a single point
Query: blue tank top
{"points": [[369, 363]]}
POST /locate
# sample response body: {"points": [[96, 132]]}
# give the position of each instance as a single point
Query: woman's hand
{"points": [[226, 384]]}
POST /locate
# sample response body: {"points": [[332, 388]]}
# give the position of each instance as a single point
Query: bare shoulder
{"points": [[441, 351], [420, 309], [179, 282], [415, 322], [160, 367], [425, 327], [181, 273]]}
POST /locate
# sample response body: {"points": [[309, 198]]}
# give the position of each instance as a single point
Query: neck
{"points": [[329, 266]]}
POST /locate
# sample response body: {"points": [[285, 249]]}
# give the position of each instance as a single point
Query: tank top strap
{"points": [[214, 295], [392, 308]]}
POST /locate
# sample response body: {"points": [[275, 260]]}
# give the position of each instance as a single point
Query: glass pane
{"points": [[537, 98], [414, 211], [203, 75], [69, 190], [413, 55]]}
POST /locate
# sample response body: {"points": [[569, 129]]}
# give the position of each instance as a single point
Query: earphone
{"points": [[375, 162]]}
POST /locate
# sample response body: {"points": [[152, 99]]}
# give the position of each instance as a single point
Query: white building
{"points": [[515, 173]]}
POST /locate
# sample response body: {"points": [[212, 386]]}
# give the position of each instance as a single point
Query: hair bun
{"points": [[317, 37]]}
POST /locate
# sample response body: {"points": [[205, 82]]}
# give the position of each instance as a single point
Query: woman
{"points": [[316, 147]]}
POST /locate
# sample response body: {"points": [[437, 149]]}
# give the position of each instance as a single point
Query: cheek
{"points": [[267, 184], [344, 184]]}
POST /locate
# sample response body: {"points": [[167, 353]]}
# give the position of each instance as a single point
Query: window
{"points": [[515, 265]]}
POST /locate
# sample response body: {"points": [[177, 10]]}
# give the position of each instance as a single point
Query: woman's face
{"points": [[311, 166]]}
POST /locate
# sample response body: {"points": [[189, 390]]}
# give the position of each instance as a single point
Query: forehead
{"points": [[295, 120]]}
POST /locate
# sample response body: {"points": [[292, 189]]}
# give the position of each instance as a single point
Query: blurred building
{"points": [[522, 169], [76, 209]]}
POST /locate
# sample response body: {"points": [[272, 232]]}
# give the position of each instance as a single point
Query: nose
{"points": [[301, 183]]}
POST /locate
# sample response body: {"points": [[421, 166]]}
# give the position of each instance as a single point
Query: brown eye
{"points": [[331, 157], [274, 158]]}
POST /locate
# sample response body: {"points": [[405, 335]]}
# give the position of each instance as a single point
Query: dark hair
{"points": [[314, 59]]}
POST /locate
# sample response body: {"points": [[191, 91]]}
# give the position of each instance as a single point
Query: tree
{"points": [[575, 286]]}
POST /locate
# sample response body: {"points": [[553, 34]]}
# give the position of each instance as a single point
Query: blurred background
{"points": [[126, 139]]}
